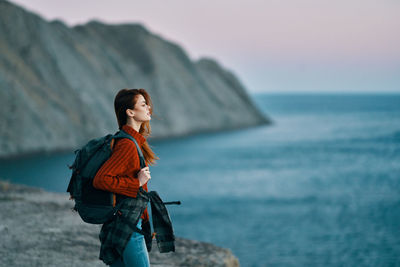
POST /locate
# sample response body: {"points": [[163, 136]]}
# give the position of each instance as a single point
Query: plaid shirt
{"points": [[161, 223], [115, 234]]}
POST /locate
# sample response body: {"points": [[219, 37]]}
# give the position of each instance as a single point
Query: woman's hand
{"points": [[144, 176]]}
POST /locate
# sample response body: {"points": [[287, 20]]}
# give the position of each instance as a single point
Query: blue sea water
{"points": [[318, 187]]}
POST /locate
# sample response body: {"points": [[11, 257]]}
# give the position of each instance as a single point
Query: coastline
{"points": [[70, 150]]}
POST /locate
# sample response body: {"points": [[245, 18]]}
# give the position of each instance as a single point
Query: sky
{"points": [[274, 46]]}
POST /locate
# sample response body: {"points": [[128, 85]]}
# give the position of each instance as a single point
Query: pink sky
{"points": [[272, 45]]}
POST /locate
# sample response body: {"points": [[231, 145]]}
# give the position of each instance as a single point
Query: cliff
{"points": [[57, 83], [38, 228]]}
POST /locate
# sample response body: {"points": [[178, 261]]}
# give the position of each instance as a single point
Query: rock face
{"points": [[38, 228], [57, 84]]}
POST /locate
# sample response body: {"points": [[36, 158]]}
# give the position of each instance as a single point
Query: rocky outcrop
{"points": [[38, 228], [57, 83]]}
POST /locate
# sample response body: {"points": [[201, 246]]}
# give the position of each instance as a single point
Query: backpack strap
{"points": [[122, 134], [119, 135]]}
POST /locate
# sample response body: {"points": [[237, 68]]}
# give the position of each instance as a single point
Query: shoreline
{"points": [[70, 150]]}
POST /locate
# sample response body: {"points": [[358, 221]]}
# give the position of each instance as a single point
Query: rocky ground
{"points": [[38, 228]]}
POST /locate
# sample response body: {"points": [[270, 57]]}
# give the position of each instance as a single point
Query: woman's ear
{"points": [[130, 112]]}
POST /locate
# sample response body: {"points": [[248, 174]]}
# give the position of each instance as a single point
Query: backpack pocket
{"points": [[95, 214]]}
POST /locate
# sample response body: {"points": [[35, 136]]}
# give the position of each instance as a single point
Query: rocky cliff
{"points": [[57, 83]]}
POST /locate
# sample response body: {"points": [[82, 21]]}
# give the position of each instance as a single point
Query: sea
{"points": [[319, 186]]}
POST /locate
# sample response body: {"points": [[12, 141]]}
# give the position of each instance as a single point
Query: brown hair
{"points": [[126, 99]]}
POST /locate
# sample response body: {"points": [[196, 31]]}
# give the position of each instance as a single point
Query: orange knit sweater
{"points": [[119, 173]]}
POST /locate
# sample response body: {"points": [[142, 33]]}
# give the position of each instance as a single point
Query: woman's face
{"points": [[142, 110]]}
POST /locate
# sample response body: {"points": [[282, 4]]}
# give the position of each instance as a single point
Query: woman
{"points": [[122, 175]]}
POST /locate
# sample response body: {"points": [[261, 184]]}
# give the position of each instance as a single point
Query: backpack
{"points": [[93, 205]]}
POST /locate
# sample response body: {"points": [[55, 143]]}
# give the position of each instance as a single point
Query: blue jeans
{"points": [[135, 253]]}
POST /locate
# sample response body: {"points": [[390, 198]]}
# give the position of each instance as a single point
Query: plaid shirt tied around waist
{"points": [[115, 234]]}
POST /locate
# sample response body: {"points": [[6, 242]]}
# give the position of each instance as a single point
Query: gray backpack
{"points": [[93, 205]]}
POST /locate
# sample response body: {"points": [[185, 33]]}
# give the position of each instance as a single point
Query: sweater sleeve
{"points": [[112, 174]]}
